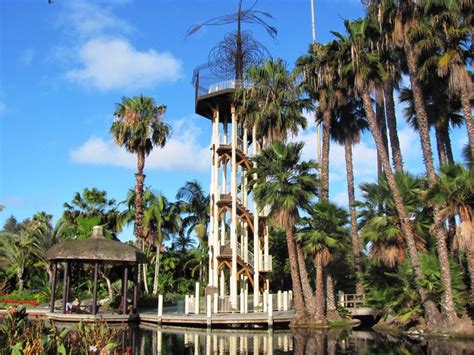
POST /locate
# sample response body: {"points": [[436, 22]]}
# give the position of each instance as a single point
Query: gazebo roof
{"points": [[96, 248]]}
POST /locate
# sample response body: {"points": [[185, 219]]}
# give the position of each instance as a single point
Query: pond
{"points": [[154, 340]]}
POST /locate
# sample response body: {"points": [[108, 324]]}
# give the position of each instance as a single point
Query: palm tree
{"points": [[454, 190], [320, 234], [16, 250], [363, 73], [195, 204], [452, 21], [139, 127], [273, 102], [287, 186], [442, 112], [161, 219], [274, 106], [406, 29], [379, 222], [346, 129]]}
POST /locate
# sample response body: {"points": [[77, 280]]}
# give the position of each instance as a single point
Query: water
{"points": [[154, 340]]}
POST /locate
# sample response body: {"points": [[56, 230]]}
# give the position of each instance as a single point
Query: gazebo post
{"points": [[94, 295], [135, 289], [68, 281], [125, 289], [65, 290], [53, 286]]}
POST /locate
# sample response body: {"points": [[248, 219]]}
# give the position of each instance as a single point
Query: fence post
{"points": [[285, 300], [160, 308], [196, 300], [242, 305], [265, 300], [279, 300], [216, 302], [209, 309], [270, 310], [186, 304]]}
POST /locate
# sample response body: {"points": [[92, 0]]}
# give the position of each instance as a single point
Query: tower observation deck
{"points": [[239, 259]]}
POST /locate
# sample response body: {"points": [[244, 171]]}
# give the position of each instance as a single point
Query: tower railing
{"points": [[206, 81], [225, 139]]}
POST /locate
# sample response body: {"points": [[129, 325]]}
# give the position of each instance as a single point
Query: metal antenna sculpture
{"points": [[238, 50]]}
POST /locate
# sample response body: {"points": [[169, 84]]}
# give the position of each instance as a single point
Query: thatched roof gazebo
{"points": [[96, 250]]}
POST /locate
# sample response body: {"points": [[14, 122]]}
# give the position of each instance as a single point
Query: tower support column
{"points": [[233, 231], [256, 242]]}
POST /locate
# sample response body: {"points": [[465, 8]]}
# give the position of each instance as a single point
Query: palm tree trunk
{"points": [[440, 146], [470, 267], [325, 155], [320, 306], [307, 289], [19, 276], [466, 106], [140, 180], [110, 290], [449, 310], [144, 271], [353, 215], [380, 114], [447, 143], [295, 279], [331, 309], [157, 270], [392, 126], [431, 311]]}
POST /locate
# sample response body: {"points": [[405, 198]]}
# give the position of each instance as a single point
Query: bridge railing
{"points": [[351, 300]]}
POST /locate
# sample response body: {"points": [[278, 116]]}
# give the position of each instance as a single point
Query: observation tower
{"points": [[239, 259]]}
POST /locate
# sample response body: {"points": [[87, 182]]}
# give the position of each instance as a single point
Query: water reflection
{"points": [[176, 341]]}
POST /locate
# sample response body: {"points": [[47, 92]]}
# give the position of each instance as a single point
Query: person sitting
{"points": [[76, 305]]}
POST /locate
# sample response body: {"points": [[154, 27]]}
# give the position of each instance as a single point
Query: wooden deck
{"points": [[222, 320], [280, 318]]}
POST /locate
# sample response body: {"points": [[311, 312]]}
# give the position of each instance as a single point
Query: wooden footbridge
{"points": [[356, 304]]}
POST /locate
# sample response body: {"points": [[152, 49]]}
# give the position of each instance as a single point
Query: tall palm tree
{"points": [[321, 233], [346, 129], [287, 186], [274, 105], [273, 102], [139, 127], [408, 25], [454, 190], [363, 73], [452, 21]]}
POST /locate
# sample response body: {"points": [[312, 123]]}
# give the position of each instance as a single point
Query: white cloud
{"points": [[182, 152], [115, 64], [86, 19], [99, 53]]}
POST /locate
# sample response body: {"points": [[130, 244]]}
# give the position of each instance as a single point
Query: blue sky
{"points": [[64, 66]]}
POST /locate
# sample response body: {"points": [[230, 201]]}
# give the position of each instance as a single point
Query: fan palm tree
{"points": [[346, 129], [320, 234], [139, 127], [408, 25], [273, 102], [454, 190], [452, 22], [380, 225], [363, 72], [287, 186]]}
